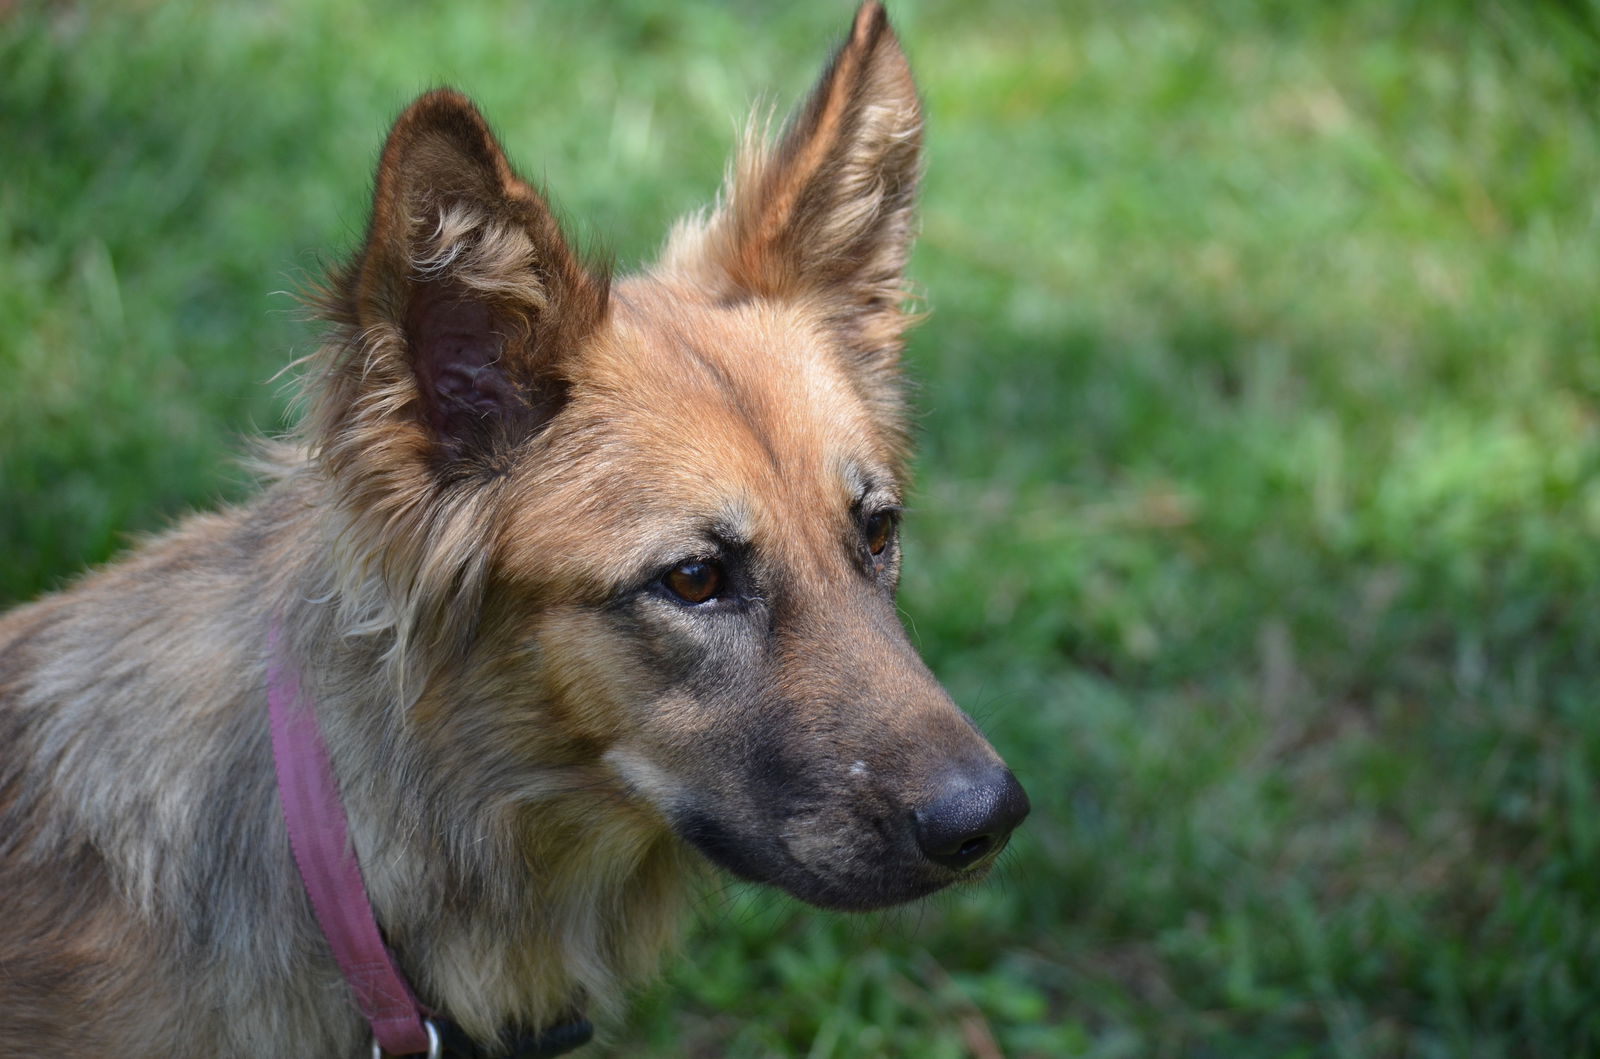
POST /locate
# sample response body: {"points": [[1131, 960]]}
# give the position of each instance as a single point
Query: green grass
{"points": [[1259, 507]]}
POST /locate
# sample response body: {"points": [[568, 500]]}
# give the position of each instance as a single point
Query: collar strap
{"points": [[546, 1044], [319, 834]]}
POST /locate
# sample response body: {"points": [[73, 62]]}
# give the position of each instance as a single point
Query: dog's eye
{"points": [[879, 529], [695, 581]]}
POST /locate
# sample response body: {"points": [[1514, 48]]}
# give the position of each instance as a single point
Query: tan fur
{"points": [[466, 545]]}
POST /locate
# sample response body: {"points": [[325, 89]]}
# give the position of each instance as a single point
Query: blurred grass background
{"points": [[1258, 502]]}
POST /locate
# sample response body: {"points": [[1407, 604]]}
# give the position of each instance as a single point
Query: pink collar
{"points": [[319, 834]]}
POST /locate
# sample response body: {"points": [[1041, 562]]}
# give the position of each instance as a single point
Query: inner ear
{"points": [[470, 380], [458, 352]]}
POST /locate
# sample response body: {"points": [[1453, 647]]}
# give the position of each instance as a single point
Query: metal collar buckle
{"points": [[434, 1048]]}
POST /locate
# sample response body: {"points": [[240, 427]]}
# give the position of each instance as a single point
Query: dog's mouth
{"points": [[860, 873], [857, 851]]}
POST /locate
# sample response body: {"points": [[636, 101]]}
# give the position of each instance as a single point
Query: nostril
{"points": [[971, 819], [976, 848]]}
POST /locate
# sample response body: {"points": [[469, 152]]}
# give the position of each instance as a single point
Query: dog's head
{"points": [[649, 531]]}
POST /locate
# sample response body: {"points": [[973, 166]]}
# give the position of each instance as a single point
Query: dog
{"points": [[583, 582]]}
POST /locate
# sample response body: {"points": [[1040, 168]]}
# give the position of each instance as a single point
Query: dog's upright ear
{"points": [[460, 306], [826, 215]]}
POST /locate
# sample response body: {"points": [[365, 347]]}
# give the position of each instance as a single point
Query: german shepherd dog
{"points": [[589, 581]]}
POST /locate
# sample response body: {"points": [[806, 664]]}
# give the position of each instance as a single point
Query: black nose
{"points": [[971, 818]]}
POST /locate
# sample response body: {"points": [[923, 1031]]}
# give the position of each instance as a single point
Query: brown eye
{"points": [[879, 530], [694, 581]]}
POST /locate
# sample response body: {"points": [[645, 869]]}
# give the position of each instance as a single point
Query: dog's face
{"points": [[729, 633], [685, 491]]}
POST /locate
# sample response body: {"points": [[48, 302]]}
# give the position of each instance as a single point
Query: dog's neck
{"points": [[319, 835], [510, 895]]}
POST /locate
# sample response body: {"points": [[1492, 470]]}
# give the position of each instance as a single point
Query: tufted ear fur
{"points": [[461, 304], [827, 214], [453, 327]]}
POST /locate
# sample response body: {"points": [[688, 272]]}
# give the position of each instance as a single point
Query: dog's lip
{"points": [[848, 895], [922, 880], [775, 865]]}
